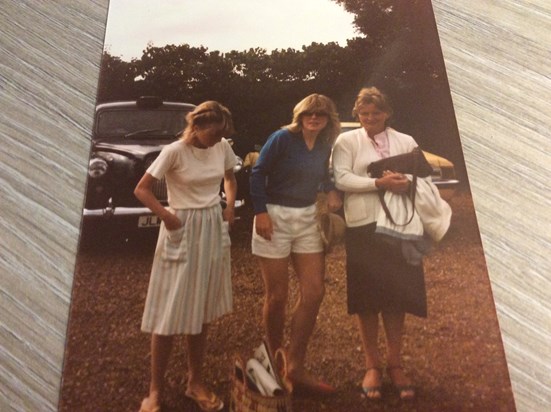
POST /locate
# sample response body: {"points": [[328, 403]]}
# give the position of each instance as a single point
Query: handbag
{"points": [[413, 163], [244, 396], [331, 226]]}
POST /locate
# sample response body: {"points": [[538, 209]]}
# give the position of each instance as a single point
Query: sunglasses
{"points": [[318, 114]]}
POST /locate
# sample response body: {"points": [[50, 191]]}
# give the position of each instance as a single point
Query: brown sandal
{"points": [[405, 392], [211, 403], [373, 393]]}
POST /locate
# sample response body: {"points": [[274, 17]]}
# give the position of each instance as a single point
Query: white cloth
{"points": [[193, 175], [430, 221], [435, 212], [352, 153], [432, 214]]}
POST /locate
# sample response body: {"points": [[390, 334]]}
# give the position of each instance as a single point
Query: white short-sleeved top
{"points": [[193, 175]]}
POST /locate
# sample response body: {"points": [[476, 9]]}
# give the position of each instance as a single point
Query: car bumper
{"points": [[126, 212], [446, 184], [447, 188], [114, 212]]}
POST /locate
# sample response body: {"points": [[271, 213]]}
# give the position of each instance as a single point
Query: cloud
{"points": [[224, 24]]}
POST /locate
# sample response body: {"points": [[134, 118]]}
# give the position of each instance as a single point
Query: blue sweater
{"points": [[288, 174]]}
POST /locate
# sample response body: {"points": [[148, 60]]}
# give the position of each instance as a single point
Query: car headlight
{"points": [[97, 168], [448, 173]]}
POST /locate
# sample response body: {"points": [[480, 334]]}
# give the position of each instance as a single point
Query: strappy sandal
{"points": [[210, 403], [373, 393], [405, 392]]}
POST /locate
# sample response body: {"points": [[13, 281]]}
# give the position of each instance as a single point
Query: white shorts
{"points": [[295, 231]]}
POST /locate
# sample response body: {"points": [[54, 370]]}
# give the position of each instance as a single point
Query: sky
{"points": [[224, 25]]}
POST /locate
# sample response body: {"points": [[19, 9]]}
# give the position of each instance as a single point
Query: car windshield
{"points": [[141, 123]]}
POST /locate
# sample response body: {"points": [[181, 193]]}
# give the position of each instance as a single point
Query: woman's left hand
{"points": [[228, 214], [334, 200]]}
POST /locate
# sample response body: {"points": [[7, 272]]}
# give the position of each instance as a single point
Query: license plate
{"points": [[149, 221]]}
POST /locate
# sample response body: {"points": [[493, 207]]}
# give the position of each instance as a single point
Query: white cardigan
{"points": [[352, 153]]}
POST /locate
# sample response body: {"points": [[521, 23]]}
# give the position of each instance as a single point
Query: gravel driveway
{"points": [[455, 356]]}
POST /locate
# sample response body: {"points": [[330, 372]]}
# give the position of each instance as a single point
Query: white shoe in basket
{"points": [[262, 355]]}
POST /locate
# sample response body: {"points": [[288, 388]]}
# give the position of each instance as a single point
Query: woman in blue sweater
{"points": [[292, 168]]}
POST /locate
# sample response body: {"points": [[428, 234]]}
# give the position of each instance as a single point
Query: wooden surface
{"points": [[497, 56]]}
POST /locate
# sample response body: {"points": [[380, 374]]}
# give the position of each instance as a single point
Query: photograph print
{"points": [[233, 215]]}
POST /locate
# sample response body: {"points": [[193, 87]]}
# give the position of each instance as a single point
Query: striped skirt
{"points": [[190, 283]]}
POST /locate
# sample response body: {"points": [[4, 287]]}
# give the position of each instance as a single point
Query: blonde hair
{"points": [[372, 95], [317, 103], [209, 114]]}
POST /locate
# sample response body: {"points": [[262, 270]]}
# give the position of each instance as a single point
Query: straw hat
{"points": [[332, 228]]}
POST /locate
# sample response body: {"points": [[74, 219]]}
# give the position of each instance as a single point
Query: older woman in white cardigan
{"points": [[380, 280]]}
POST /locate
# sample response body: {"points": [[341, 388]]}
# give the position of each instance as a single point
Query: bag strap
{"points": [[280, 360], [411, 195]]}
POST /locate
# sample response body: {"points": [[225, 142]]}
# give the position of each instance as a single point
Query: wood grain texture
{"points": [[497, 57], [498, 61], [50, 64]]}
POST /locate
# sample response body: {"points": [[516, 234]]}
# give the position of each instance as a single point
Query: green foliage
{"points": [[376, 19], [116, 79], [260, 88], [406, 62]]}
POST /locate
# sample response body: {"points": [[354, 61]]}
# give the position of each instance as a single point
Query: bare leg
{"points": [[276, 283], [394, 327], [196, 388], [196, 355], [368, 324], [161, 346], [310, 269]]}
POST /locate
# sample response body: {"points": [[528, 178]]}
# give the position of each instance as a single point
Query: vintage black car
{"points": [[127, 137]]}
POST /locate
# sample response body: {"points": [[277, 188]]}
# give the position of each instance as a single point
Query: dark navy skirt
{"points": [[378, 277]]}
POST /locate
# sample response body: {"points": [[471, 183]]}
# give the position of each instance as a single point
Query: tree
{"points": [[408, 65], [116, 80], [171, 71]]}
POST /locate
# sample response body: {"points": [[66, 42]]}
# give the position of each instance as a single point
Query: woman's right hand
{"points": [[263, 225], [393, 182], [171, 221]]}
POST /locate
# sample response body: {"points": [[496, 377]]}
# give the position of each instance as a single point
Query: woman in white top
{"points": [[379, 279], [190, 284]]}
